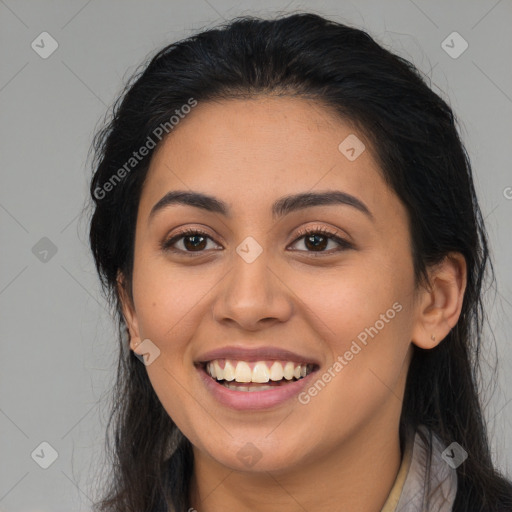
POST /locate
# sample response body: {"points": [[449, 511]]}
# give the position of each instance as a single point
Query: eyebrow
{"points": [[280, 208]]}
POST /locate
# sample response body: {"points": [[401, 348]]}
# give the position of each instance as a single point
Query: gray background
{"points": [[58, 343]]}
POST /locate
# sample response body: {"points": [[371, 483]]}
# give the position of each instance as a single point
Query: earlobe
{"points": [[438, 308], [129, 314]]}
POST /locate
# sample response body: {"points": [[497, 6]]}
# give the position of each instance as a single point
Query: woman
{"points": [[286, 224]]}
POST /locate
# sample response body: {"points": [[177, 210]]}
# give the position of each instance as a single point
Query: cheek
{"points": [[345, 301], [366, 374], [169, 306], [362, 318], [169, 300]]}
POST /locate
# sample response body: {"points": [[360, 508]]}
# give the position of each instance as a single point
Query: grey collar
{"points": [[416, 493]]}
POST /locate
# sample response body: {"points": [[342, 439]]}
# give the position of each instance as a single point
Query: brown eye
{"points": [[193, 241], [316, 240]]}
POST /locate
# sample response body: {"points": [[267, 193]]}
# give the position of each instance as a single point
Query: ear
{"points": [[438, 306], [129, 314]]}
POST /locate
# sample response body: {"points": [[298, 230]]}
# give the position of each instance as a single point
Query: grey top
{"points": [[410, 493]]}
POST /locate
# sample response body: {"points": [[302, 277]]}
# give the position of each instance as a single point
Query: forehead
{"points": [[251, 151]]}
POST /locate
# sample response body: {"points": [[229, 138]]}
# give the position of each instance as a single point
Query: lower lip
{"points": [[253, 400]]}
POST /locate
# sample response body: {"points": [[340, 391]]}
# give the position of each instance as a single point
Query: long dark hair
{"points": [[416, 143]]}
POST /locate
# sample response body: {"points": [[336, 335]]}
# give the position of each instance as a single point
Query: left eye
{"points": [[319, 238], [196, 241]]}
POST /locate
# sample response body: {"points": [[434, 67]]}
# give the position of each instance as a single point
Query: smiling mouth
{"points": [[256, 375]]}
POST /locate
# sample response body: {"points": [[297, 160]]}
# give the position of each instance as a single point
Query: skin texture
{"points": [[341, 450]]}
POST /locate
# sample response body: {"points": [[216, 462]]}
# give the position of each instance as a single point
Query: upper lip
{"points": [[255, 354]]}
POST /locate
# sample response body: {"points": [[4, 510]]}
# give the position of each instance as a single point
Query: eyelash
{"points": [[166, 245]]}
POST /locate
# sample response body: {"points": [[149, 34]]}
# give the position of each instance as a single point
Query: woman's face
{"points": [[257, 298]]}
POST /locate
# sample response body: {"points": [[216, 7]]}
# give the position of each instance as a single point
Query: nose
{"points": [[253, 295]]}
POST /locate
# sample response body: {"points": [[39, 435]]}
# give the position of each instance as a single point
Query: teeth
{"points": [[240, 371], [229, 371], [243, 372], [276, 372], [247, 388], [260, 373], [288, 370], [218, 371]]}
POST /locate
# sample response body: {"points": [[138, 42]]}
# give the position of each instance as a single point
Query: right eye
{"points": [[194, 240]]}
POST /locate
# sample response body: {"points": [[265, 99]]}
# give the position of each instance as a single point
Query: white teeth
{"points": [[240, 371], [247, 388], [229, 371], [261, 388], [288, 370], [219, 372], [243, 372], [276, 371], [260, 373]]}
